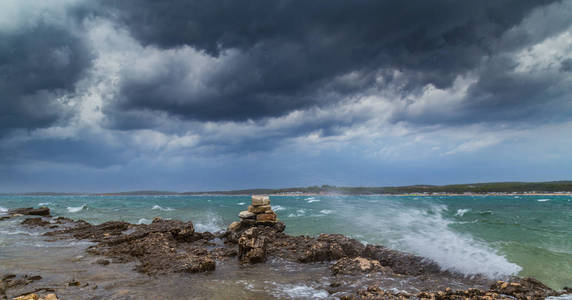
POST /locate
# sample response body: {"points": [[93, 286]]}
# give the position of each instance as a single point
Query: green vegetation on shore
{"points": [[473, 188]]}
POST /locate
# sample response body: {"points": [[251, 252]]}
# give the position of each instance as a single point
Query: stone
{"points": [[51, 297], [258, 200], [259, 209], [30, 211], [234, 226], [103, 262], [248, 222], [266, 217], [252, 246], [27, 297], [246, 215]]}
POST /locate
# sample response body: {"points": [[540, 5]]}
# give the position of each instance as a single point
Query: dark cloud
{"points": [[38, 64], [292, 54]]}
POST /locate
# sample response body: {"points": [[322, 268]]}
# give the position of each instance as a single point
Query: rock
{"points": [[234, 226], [28, 297], [266, 217], [331, 247], [35, 222], [50, 297], [30, 211], [258, 200], [73, 283], [354, 266], [245, 214], [103, 262], [252, 246], [196, 264], [248, 222], [259, 209]]}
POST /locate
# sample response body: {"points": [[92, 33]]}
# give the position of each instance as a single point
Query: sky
{"points": [[196, 95]]}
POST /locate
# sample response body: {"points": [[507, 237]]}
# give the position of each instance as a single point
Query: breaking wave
{"points": [[543, 200], [77, 208], [461, 212], [426, 232], [278, 208], [3, 209], [157, 207]]}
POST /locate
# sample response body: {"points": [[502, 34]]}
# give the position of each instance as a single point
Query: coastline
{"points": [[348, 268]]}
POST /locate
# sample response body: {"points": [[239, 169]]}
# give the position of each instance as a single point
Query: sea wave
{"points": [[77, 208], [211, 224], [45, 203], [299, 213], [241, 203], [326, 211], [312, 199], [461, 212], [278, 208], [543, 200], [3, 209], [426, 232], [157, 207], [297, 291], [144, 221]]}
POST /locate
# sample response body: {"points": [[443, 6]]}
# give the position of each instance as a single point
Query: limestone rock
{"points": [[259, 209], [27, 297], [51, 297], [354, 266], [30, 211], [258, 200], [246, 215], [234, 226], [252, 246], [266, 217]]}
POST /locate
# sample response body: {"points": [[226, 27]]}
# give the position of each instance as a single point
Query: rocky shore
{"points": [[356, 271]]}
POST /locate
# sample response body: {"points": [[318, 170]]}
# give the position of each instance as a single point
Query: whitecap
{"points": [[144, 221], [543, 200], [326, 211], [161, 208], [461, 212], [298, 291], [312, 199], [212, 224], [299, 213], [278, 208], [241, 203], [3, 209], [45, 203], [561, 297], [426, 232], [77, 209]]}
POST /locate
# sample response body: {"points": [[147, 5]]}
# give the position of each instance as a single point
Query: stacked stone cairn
{"points": [[259, 212]]}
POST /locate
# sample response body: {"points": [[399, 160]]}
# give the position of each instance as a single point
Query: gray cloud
{"points": [[289, 55], [38, 65]]}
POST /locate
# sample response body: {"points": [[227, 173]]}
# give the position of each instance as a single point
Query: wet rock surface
{"points": [[30, 211]]}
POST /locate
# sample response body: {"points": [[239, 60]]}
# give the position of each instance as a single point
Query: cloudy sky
{"points": [[104, 95]]}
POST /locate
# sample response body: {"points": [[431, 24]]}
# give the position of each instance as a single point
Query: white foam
{"points": [[212, 224], [561, 297], [77, 209], [278, 208], [312, 199], [241, 203], [161, 208], [461, 212], [298, 291], [425, 232], [543, 200], [45, 203], [3, 209], [326, 211], [144, 221], [299, 213]]}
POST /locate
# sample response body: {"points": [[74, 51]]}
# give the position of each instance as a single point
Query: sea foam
{"points": [[157, 207], [76, 209], [426, 232], [461, 212]]}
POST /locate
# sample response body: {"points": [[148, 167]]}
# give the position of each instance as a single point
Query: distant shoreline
{"points": [[470, 189]]}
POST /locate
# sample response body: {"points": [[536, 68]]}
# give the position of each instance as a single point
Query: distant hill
{"points": [[475, 188]]}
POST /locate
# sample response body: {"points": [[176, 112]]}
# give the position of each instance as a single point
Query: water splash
{"points": [[157, 207], [72, 209]]}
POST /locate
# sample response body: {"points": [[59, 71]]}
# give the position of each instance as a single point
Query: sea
{"points": [[497, 236]]}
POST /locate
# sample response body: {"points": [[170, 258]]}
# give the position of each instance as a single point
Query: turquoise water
{"points": [[492, 235]]}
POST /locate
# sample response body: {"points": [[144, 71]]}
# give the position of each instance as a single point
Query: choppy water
{"points": [[493, 235]]}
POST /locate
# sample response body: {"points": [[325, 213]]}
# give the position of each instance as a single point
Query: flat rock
{"points": [[258, 200], [245, 214], [266, 217], [30, 211], [259, 209]]}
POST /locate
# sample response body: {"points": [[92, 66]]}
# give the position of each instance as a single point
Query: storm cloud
{"points": [[117, 86]]}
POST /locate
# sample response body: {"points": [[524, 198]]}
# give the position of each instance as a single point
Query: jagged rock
{"points": [[50, 297], [252, 246], [354, 266], [103, 262], [248, 222], [331, 247], [258, 200], [266, 217], [401, 263], [245, 214], [35, 222], [259, 209], [234, 226], [30, 211], [28, 297]]}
